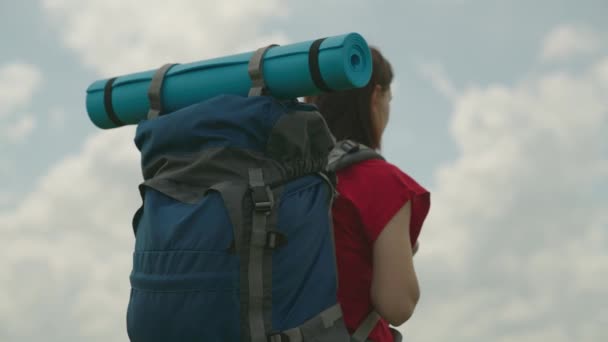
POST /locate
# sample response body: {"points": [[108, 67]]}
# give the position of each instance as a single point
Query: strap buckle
{"points": [[269, 239], [275, 239], [263, 199], [349, 146]]}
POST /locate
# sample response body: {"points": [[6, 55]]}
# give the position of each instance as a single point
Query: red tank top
{"points": [[370, 194]]}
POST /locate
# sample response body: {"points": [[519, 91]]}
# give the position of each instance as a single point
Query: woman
{"points": [[378, 214]]}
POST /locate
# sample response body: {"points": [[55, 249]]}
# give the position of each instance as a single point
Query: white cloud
{"points": [[57, 118], [67, 247], [7, 167], [255, 43], [18, 84], [435, 73], [569, 41], [5, 198], [515, 245], [126, 36], [19, 130]]}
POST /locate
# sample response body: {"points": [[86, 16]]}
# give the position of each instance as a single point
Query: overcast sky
{"points": [[500, 109]]}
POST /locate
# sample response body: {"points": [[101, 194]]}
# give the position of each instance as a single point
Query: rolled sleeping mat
{"points": [[289, 71]]}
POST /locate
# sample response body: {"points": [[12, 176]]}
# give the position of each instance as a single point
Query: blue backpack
{"points": [[234, 238]]}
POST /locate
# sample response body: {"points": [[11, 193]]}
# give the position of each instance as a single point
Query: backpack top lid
{"points": [[223, 121], [219, 139]]}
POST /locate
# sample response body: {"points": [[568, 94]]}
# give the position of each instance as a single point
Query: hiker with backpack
{"points": [[378, 212], [234, 240]]}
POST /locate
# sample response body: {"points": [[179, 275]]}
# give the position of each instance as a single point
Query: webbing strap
{"points": [[332, 196], [313, 65], [316, 326], [366, 327], [107, 103], [291, 335], [257, 327], [330, 316], [155, 90], [256, 71]]}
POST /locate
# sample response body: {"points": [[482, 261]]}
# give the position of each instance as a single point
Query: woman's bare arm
{"points": [[395, 291]]}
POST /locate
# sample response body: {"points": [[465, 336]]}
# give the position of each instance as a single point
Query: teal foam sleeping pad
{"points": [[344, 62]]}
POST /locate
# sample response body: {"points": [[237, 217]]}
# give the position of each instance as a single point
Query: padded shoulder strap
{"points": [[347, 153], [344, 154]]}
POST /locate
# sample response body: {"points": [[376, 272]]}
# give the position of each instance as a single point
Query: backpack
{"points": [[234, 240]]}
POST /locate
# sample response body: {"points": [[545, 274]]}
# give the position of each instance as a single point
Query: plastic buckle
{"points": [[349, 146], [275, 239], [263, 199]]}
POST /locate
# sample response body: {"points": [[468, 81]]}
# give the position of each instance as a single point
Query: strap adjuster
{"points": [[349, 146], [268, 239], [275, 239], [263, 200]]}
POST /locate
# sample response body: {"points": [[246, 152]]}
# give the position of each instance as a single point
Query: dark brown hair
{"points": [[348, 113]]}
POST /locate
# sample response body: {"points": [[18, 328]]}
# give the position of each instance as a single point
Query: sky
{"points": [[500, 109]]}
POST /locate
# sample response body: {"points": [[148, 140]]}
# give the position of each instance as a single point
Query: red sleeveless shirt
{"points": [[370, 194]]}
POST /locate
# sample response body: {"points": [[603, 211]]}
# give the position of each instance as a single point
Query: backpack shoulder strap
{"points": [[347, 153], [366, 327]]}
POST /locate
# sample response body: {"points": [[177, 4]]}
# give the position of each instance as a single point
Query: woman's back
{"points": [[371, 194]]}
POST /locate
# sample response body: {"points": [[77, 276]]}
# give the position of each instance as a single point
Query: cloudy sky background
{"points": [[500, 109]]}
